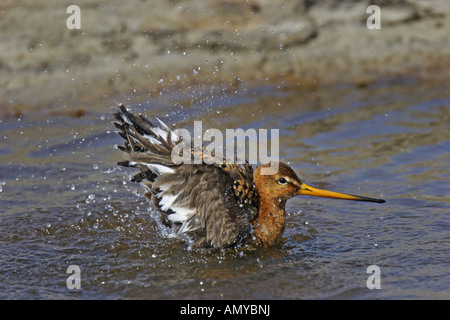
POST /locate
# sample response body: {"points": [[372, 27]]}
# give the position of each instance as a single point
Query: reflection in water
{"points": [[65, 202]]}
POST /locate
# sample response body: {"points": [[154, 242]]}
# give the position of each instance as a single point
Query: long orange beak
{"points": [[311, 191]]}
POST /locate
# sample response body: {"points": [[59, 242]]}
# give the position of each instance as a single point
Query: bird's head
{"points": [[283, 183]]}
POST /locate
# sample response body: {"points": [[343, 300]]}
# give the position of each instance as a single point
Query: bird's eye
{"points": [[282, 181]]}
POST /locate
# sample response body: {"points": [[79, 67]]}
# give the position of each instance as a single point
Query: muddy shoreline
{"points": [[137, 48]]}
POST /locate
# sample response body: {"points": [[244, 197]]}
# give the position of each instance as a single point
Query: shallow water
{"points": [[65, 202]]}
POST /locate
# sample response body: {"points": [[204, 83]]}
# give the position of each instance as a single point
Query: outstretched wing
{"points": [[213, 203]]}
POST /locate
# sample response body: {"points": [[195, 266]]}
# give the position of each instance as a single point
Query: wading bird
{"points": [[215, 205]]}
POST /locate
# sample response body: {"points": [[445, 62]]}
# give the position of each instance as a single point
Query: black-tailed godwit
{"points": [[216, 205]]}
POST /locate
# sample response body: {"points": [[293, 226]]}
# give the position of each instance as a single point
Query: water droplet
{"points": [[90, 198]]}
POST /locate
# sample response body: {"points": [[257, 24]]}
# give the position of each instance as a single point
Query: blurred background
{"points": [[137, 48]]}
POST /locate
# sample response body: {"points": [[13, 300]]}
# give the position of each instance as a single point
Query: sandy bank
{"points": [[138, 47]]}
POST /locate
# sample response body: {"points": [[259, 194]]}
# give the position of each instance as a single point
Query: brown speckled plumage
{"points": [[216, 205]]}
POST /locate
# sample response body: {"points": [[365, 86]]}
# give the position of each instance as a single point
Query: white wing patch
{"points": [[158, 168], [182, 214], [166, 201], [184, 217]]}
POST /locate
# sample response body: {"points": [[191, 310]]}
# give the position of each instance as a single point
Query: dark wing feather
{"points": [[214, 204]]}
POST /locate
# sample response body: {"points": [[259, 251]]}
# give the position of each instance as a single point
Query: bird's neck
{"points": [[270, 222]]}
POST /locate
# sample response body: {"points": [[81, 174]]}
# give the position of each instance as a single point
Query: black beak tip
{"points": [[360, 198]]}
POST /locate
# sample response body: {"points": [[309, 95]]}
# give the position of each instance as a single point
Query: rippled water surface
{"points": [[64, 201]]}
